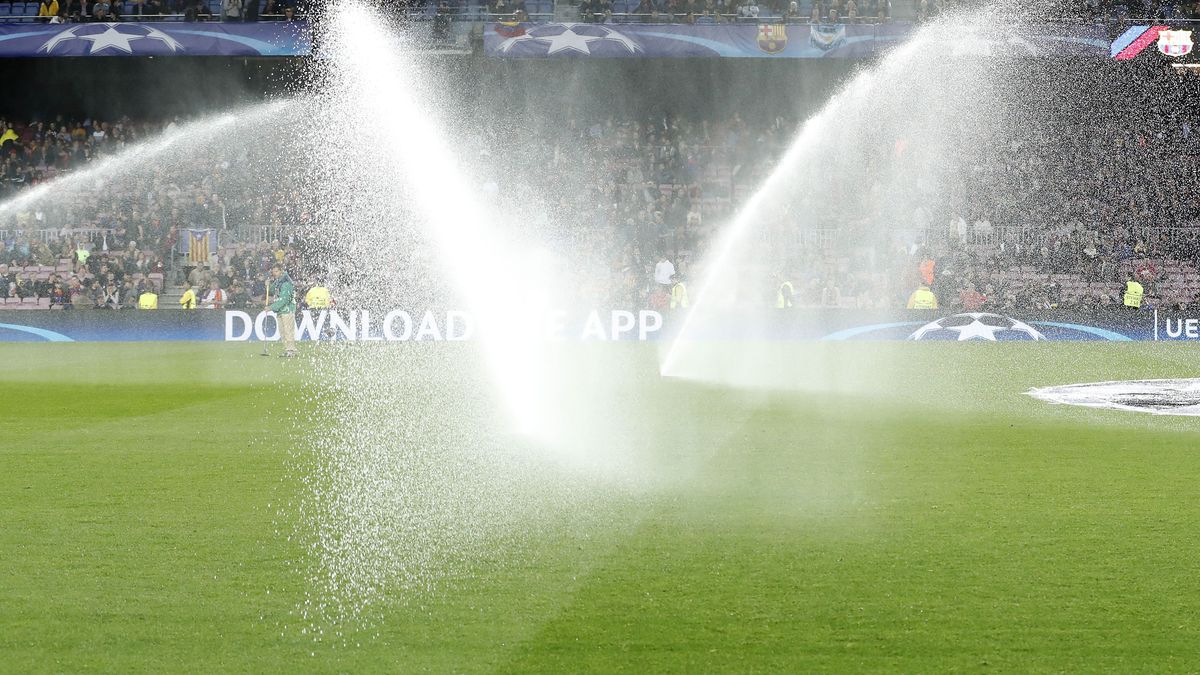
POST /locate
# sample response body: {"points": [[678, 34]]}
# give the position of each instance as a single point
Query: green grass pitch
{"points": [[919, 515]]}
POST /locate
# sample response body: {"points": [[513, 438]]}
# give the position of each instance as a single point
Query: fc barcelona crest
{"points": [[1170, 42], [772, 39]]}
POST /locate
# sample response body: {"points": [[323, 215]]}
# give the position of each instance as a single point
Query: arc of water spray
{"points": [[733, 234], [481, 264], [142, 152]]}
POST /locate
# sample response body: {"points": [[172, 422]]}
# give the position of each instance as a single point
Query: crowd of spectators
{"points": [[1074, 10], [626, 193], [721, 11], [1043, 214], [865, 11], [242, 274], [665, 11], [107, 271], [133, 222], [72, 275], [106, 11]]}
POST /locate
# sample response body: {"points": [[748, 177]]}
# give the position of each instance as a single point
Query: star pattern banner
{"points": [[155, 39], [767, 40]]}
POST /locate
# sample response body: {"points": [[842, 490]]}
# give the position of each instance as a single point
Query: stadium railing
{"points": [[484, 17], [1017, 234], [802, 20], [27, 12], [630, 17], [51, 235], [537, 11]]}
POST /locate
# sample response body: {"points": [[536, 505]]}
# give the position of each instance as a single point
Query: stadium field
{"points": [[921, 514]]}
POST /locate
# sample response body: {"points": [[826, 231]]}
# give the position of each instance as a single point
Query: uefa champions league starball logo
{"points": [[1157, 397], [976, 326], [575, 38], [110, 36]]}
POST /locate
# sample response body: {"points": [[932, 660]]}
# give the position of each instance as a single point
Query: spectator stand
{"points": [[535, 11], [284, 10], [26, 283], [736, 11], [150, 10]]}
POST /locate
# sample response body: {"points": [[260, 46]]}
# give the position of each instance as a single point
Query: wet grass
{"points": [[921, 516]]}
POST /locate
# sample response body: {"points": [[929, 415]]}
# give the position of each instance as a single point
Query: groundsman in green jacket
{"points": [[284, 292]]}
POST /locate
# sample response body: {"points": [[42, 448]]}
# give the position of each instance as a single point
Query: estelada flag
{"points": [[198, 245]]}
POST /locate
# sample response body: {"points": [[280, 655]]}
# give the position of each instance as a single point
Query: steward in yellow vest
{"points": [[922, 298], [188, 301], [148, 300], [783, 297], [317, 297], [1133, 293], [679, 296]]}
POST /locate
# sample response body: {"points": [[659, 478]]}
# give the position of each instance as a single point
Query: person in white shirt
{"points": [[663, 271], [215, 297], [958, 224]]}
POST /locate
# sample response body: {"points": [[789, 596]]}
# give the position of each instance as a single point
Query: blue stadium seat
{"points": [[5, 9]]}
